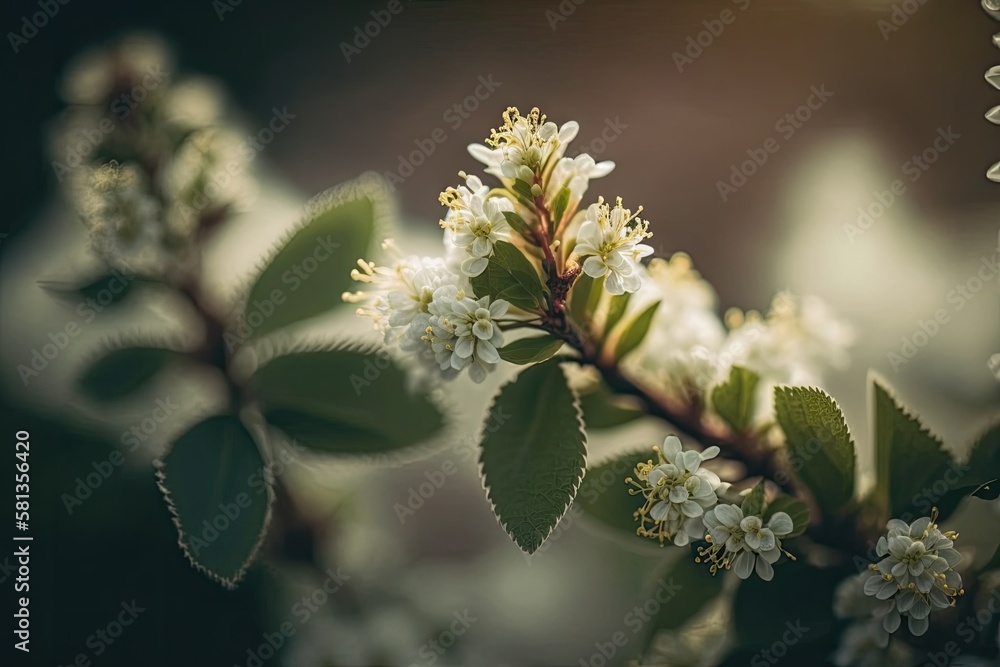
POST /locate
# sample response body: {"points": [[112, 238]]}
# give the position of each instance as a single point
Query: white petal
{"points": [[659, 511], [764, 570], [781, 524], [602, 169], [728, 515], [710, 453], [671, 448], [486, 352], [743, 566], [594, 267]]}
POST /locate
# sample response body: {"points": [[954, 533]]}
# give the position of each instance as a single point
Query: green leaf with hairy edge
{"points": [[604, 409], [819, 443], [735, 399], [510, 276], [908, 457], [796, 510], [347, 402], [123, 371], [559, 204], [616, 309], [533, 462], [312, 269], [604, 496], [518, 224], [530, 350], [584, 297], [633, 336], [799, 598], [753, 502], [215, 484]]}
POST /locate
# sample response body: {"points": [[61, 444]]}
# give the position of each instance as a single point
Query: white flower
{"points": [[463, 331], [677, 492], [744, 543], [574, 174], [916, 574], [524, 146], [400, 294], [612, 247], [475, 222]]}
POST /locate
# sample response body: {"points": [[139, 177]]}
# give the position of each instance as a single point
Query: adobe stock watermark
{"points": [[31, 25], [968, 629], [364, 34], [86, 141], [87, 484], [453, 116], [913, 169], [57, 341], [786, 127], [303, 610], [772, 654], [634, 621], [958, 297], [901, 13], [613, 128], [562, 12], [431, 651], [102, 638], [697, 44]]}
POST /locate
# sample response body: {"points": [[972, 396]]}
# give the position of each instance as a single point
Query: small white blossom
{"points": [[463, 332], [524, 146], [575, 175], [744, 543], [677, 492], [610, 243], [916, 575], [475, 222]]}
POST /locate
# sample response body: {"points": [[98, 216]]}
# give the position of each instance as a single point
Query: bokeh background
{"points": [[608, 64]]}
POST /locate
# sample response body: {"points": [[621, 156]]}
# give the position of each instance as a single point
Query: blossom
{"points": [[677, 492], [524, 146], [744, 543], [916, 575], [612, 247], [463, 331], [476, 222], [574, 174]]}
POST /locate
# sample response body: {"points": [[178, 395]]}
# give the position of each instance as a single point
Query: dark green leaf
{"points": [[984, 461], [559, 204], [311, 271], [123, 371], [345, 402], [605, 497], [603, 409], [215, 484], [533, 462], [584, 298], [994, 563], [633, 336], [523, 189], [530, 350], [753, 502], [908, 457], [797, 510], [616, 309], [510, 276], [820, 447], [105, 290], [735, 399], [691, 586], [519, 224]]}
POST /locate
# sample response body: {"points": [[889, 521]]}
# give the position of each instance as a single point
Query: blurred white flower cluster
{"points": [[690, 349], [148, 158]]}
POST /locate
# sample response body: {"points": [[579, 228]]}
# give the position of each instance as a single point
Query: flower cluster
{"points": [[476, 222], [610, 244], [678, 491], [916, 575], [744, 543]]}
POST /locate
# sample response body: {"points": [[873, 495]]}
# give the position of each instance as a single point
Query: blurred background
{"points": [[678, 118]]}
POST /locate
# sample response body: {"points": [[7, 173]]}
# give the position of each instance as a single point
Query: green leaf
{"points": [[994, 562], [753, 502], [632, 337], [616, 309], [559, 204], [523, 189], [603, 409], [584, 297], [106, 289], [735, 399], [530, 350], [509, 276], [797, 510], [519, 224], [123, 371], [533, 462], [798, 599], [604, 495], [346, 402], [984, 461], [215, 484], [908, 457], [820, 447], [312, 269]]}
